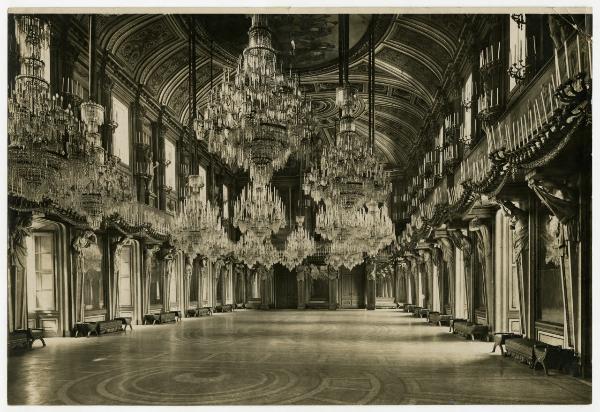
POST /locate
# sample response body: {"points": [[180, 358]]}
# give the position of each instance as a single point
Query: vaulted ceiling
{"points": [[412, 54]]}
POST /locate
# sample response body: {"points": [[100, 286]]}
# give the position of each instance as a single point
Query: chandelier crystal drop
{"points": [[299, 245], [220, 123], [259, 211], [254, 251], [349, 173], [254, 120], [198, 226], [92, 184], [360, 230], [343, 252], [37, 120]]}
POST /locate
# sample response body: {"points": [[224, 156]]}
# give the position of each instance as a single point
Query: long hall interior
{"points": [[299, 209]]}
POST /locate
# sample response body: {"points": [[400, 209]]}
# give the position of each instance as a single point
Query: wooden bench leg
{"points": [[544, 366], [501, 350], [494, 348]]}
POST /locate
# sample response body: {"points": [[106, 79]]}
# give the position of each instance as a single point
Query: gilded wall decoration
{"points": [[140, 43]]}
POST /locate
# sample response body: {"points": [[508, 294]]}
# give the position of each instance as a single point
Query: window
{"points": [[518, 47], [120, 145], [125, 277], [225, 202], [42, 283], [170, 169]]}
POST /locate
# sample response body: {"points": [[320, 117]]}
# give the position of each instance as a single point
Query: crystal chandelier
{"points": [[220, 123], [343, 252], [253, 123], [366, 231], [198, 225], [349, 173], [92, 183], [299, 245], [37, 120], [334, 221], [378, 229], [258, 211], [254, 251]]}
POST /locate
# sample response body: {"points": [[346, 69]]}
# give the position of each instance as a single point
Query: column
{"points": [[187, 282], [332, 275], [370, 268], [426, 278], [462, 242], [445, 245], [264, 276], [301, 273]]}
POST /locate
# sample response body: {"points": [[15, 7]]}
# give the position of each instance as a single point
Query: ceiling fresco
{"points": [[315, 36], [412, 54]]}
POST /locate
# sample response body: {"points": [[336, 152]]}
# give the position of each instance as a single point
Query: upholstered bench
{"points": [[471, 330], [521, 349], [205, 312], [168, 317], [409, 307], [125, 321], [86, 329], [177, 314], [455, 322], [436, 318], [417, 311], [433, 317], [553, 357], [151, 318], [224, 308], [445, 319], [500, 339], [108, 326], [36, 334], [423, 313], [18, 339]]}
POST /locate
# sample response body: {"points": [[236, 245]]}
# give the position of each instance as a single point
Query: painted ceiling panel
{"points": [[412, 53]]}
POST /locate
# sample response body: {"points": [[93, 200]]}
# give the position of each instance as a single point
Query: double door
{"points": [[353, 288]]}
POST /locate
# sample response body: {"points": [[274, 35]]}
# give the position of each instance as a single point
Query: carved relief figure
{"points": [[19, 230], [80, 243]]}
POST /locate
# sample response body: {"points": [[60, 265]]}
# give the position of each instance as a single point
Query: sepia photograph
{"points": [[287, 206]]}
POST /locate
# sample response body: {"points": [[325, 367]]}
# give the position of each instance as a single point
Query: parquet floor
{"points": [[282, 357]]}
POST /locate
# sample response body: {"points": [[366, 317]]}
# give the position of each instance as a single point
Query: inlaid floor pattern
{"points": [[282, 357]]}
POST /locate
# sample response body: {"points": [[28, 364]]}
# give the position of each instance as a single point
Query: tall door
{"points": [[286, 288], [353, 288]]}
